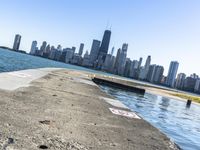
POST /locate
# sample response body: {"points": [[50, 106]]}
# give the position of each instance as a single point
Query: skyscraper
{"points": [[94, 51], [103, 50], [17, 42], [151, 73], [180, 81], [144, 71], [140, 63], [173, 68], [80, 52], [121, 60], [33, 48], [155, 74]]}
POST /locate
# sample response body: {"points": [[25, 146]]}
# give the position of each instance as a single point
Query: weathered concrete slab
{"points": [[58, 112], [13, 80], [114, 102]]}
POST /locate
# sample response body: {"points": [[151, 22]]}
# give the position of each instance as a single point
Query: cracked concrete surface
{"points": [[64, 110]]}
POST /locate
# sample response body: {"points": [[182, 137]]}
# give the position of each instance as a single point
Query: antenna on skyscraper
{"points": [[107, 25]]}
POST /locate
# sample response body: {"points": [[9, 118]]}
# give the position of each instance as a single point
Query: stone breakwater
{"points": [[63, 109]]}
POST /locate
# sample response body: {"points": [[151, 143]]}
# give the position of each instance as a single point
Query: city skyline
{"points": [[100, 59], [171, 35]]}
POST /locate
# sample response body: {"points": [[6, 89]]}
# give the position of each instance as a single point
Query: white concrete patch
{"points": [[14, 80], [19, 74], [114, 102], [124, 113]]}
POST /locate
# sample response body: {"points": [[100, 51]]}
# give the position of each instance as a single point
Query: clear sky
{"points": [[165, 29]]}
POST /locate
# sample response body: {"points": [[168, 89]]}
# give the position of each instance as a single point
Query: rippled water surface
{"points": [[171, 116]]}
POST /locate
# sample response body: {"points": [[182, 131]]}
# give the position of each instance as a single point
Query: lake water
{"points": [[171, 116]]}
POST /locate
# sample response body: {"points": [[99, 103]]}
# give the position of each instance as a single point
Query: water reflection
{"points": [[169, 115]]}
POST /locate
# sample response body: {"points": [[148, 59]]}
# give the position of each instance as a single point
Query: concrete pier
{"points": [[66, 110], [119, 85]]}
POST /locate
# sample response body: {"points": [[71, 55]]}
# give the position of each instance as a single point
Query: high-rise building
{"points": [[43, 46], [151, 73], [173, 68], [140, 63], [17, 41], [127, 67], [134, 71], [197, 86], [155, 74], [144, 70], [86, 60], [108, 64], [94, 51], [33, 48], [69, 53], [190, 83], [180, 81], [158, 74], [80, 52], [112, 51], [103, 50], [120, 61]]}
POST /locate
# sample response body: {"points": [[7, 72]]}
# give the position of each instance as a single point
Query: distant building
{"points": [[158, 74], [134, 71], [86, 60], [80, 52], [144, 71], [33, 48], [52, 53], [109, 63], [151, 73], [94, 51], [180, 81], [69, 54], [17, 41], [77, 59], [120, 61], [140, 62], [46, 53], [127, 67], [155, 74], [43, 48], [197, 86], [173, 68], [189, 84], [103, 50]]}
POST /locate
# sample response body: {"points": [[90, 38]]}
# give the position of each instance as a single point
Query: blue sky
{"points": [[166, 30]]}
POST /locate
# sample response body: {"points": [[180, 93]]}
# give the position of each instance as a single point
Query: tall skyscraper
{"points": [[17, 42], [134, 71], [173, 68], [103, 50], [80, 52], [122, 59], [33, 48], [94, 51], [158, 74], [155, 74], [112, 51], [151, 73], [144, 71], [180, 80], [140, 63], [127, 67]]}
